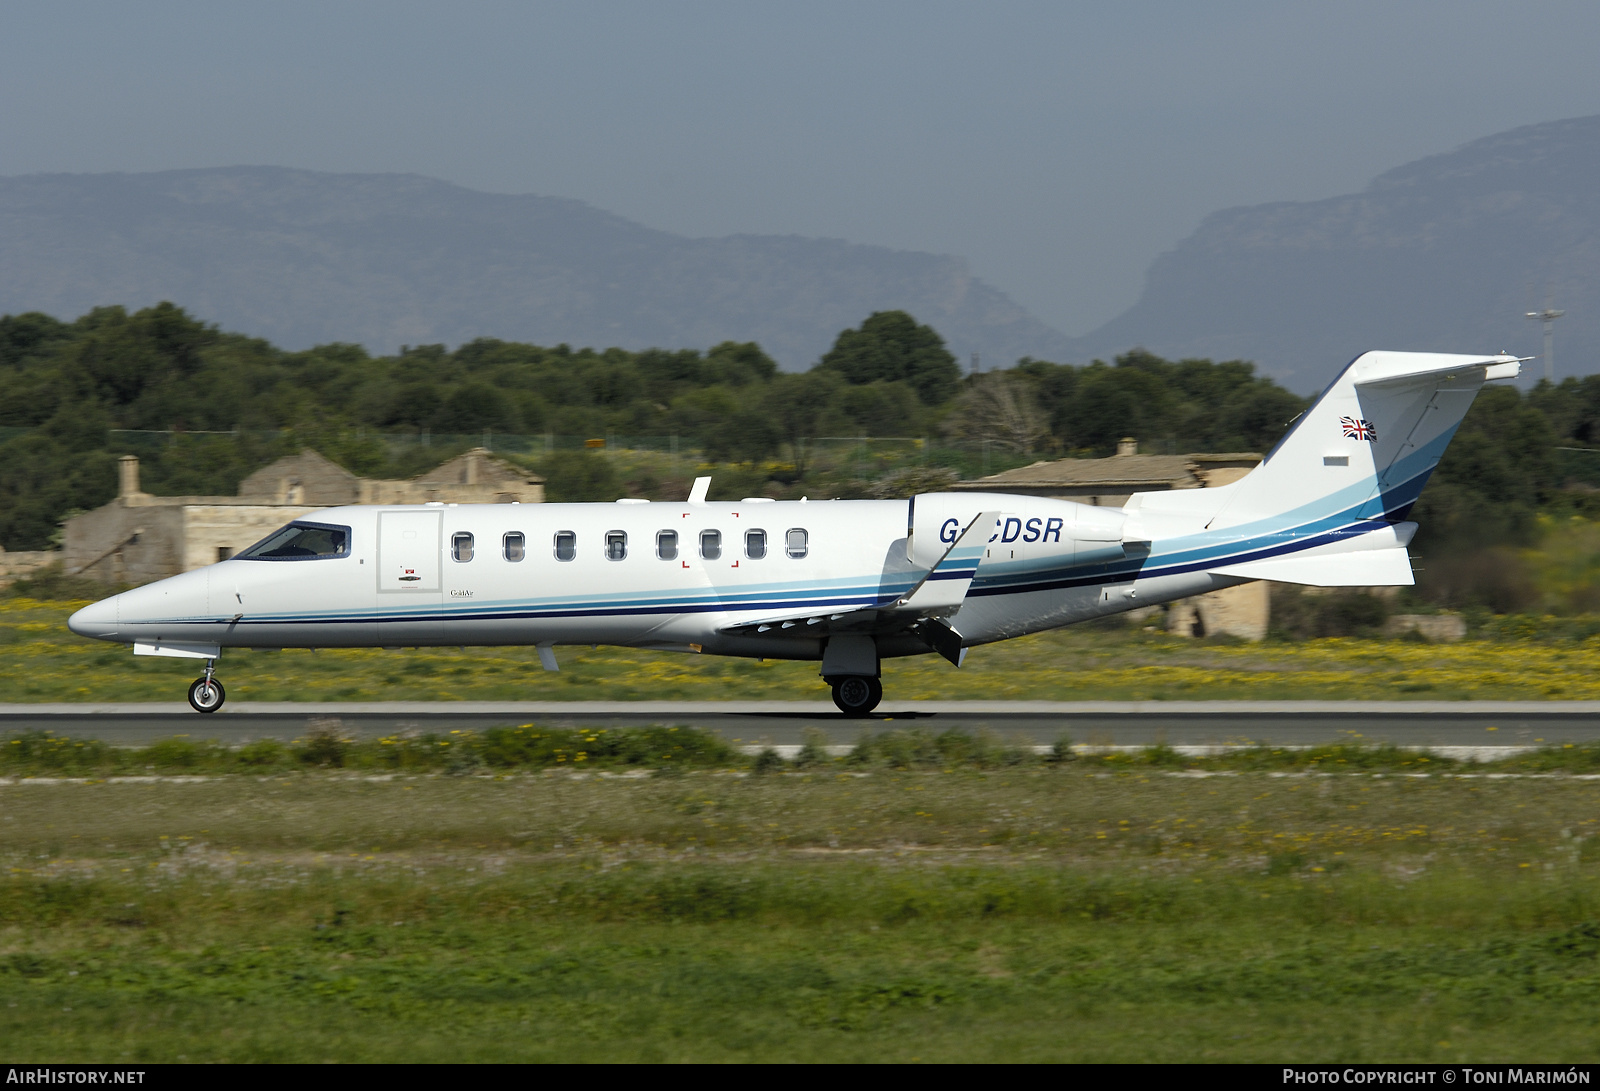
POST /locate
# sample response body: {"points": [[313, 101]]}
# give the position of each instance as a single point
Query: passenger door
{"points": [[410, 561]]}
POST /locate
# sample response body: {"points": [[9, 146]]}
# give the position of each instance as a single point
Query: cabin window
{"points": [[301, 542], [794, 543], [755, 544], [566, 545], [711, 544], [461, 546], [616, 545], [514, 546], [667, 545]]}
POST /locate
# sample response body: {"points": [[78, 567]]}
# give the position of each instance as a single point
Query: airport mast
{"points": [[1548, 316]]}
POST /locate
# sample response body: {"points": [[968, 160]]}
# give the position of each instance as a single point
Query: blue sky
{"points": [[1059, 147]]}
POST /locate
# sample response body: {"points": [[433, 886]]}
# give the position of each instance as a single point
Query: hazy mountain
{"points": [[1444, 254], [387, 259]]}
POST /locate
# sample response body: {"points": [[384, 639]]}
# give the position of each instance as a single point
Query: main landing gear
{"points": [[856, 695], [206, 694]]}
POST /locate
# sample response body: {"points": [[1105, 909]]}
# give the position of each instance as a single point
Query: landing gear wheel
{"points": [[207, 695], [856, 695]]}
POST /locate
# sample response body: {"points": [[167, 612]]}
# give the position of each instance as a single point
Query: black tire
{"points": [[857, 695], [202, 699]]}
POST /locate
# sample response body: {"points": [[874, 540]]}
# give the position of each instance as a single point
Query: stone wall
{"points": [[306, 478], [1434, 628], [1243, 611], [125, 542], [19, 566], [477, 477], [138, 538], [424, 492], [215, 532], [131, 542]]}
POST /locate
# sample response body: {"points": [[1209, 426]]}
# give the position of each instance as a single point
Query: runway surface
{"points": [[1413, 723]]}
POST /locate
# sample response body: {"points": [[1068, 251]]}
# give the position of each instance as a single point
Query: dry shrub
{"points": [[325, 744], [1497, 578], [1299, 616]]}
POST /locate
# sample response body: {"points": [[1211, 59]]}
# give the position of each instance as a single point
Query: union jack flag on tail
{"points": [[1358, 429]]}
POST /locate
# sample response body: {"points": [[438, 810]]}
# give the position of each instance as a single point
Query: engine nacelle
{"points": [[1030, 526]]}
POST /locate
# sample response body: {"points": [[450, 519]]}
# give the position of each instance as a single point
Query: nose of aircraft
{"points": [[97, 620]]}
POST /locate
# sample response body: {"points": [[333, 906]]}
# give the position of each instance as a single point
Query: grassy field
{"points": [[1061, 911], [41, 661]]}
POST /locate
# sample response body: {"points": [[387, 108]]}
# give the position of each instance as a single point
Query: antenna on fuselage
{"points": [[697, 495]]}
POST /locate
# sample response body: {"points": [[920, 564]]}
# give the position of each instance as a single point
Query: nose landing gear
{"points": [[206, 694], [856, 695]]}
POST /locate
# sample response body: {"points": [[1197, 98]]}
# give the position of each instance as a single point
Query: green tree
{"points": [[795, 404], [873, 409], [1495, 475], [574, 477], [1572, 407], [739, 364], [732, 426], [1112, 402], [1188, 405], [891, 347], [473, 407], [30, 335]]}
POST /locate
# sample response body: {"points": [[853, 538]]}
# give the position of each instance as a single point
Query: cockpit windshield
{"points": [[301, 542]]}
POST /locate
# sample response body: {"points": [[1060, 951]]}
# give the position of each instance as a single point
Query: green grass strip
{"points": [[529, 747]]}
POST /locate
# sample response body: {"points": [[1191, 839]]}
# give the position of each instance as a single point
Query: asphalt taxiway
{"points": [[1115, 723]]}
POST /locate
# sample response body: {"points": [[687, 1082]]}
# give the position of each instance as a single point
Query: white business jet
{"points": [[844, 582]]}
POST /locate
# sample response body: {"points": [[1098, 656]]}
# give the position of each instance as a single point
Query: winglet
{"points": [[697, 495], [945, 585]]}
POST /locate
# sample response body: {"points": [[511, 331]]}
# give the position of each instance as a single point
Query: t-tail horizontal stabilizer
{"points": [[1373, 557], [1369, 568]]}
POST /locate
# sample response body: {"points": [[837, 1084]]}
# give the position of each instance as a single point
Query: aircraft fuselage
{"points": [[668, 576]]}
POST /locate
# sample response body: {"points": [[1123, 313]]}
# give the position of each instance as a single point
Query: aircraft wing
{"points": [[854, 619], [940, 592]]}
